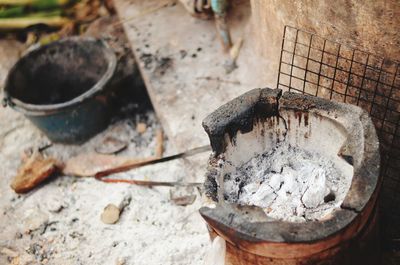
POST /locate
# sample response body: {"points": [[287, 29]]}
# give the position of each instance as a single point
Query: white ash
{"points": [[65, 211], [289, 183]]}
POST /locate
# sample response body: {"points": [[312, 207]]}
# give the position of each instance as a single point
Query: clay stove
{"points": [[295, 180]]}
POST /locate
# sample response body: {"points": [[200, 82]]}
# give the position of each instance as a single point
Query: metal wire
{"points": [[313, 65]]}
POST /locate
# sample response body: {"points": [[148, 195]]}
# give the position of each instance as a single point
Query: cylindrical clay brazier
{"points": [[295, 180]]}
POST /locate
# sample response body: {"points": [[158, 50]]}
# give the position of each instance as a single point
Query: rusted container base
{"points": [[363, 249]]}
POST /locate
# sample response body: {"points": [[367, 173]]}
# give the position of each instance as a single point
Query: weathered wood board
{"points": [[182, 62]]}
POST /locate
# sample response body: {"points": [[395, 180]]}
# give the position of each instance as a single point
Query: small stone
{"points": [[110, 214], [9, 253], [54, 205], [33, 171], [111, 145], [184, 200], [141, 127], [35, 220], [16, 261], [182, 196], [120, 261]]}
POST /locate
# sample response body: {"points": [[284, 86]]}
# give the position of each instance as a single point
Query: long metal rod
{"points": [[136, 164]]}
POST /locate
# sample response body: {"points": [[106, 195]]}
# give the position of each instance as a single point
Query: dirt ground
{"points": [[59, 221]]}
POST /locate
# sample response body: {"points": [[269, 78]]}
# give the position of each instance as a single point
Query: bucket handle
{"points": [[6, 100]]}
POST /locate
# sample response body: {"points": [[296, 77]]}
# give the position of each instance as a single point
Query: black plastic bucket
{"points": [[63, 88]]}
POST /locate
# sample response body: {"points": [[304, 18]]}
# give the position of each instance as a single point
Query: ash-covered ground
{"points": [[59, 222]]}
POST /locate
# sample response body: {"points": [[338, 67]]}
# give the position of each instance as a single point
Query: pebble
{"points": [[33, 171], [111, 145], [35, 220], [184, 200], [110, 214], [120, 261], [141, 127], [54, 205], [9, 253]]}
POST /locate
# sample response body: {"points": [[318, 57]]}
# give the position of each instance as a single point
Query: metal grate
{"points": [[316, 66]]}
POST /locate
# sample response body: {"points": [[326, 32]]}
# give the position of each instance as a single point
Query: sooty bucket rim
{"points": [[39, 110]]}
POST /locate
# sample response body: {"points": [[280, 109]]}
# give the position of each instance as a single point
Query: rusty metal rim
{"points": [[296, 250], [40, 110], [293, 249]]}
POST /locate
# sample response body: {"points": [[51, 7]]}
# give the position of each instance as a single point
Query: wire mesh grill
{"points": [[316, 66]]}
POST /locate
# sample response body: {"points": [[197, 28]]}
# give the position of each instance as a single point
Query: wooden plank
{"points": [[181, 60]]}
